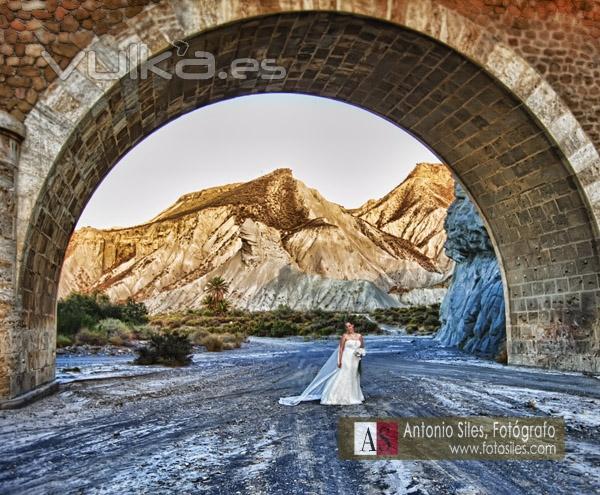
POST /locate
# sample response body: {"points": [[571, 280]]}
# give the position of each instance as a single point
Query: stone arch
{"points": [[64, 103], [508, 137]]}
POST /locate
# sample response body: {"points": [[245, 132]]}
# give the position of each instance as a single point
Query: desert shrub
{"points": [[116, 332], [281, 322], [197, 321], [171, 349], [145, 332], [113, 327], [431, 324], [326, 331], [158, 320], [78, 311], [431, 320], [75, 312], [216, 342], [173, 324], [284, 312], [316, 313], [259, 327], [63, 340], [412, 327], [106, 308], [213, 343], [233, 339], [365, 326], [135, 313], [423, 319], [116, 340], [198, 335], [91, 337], [223, 306], [282, 328], [167, 321], [304, 330]]}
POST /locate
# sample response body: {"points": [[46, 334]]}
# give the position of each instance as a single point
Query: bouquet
{"points": [[360, 352]]}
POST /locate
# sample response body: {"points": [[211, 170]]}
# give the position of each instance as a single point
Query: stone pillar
{"points": [[25, 372], [12, 133], [16, 387]]}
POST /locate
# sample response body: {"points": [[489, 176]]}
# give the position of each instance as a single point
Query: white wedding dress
{"points": [[333, 385]]}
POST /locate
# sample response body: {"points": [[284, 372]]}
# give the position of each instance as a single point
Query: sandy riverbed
{"points": [[216, 427]]}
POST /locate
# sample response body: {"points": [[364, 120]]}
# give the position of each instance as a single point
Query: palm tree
{"points": [[222, 306], [217, 287]]}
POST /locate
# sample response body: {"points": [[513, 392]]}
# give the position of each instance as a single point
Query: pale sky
{"points": [[348, 154]]}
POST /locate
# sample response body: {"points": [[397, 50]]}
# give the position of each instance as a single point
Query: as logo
{"points": [[375, 438]]}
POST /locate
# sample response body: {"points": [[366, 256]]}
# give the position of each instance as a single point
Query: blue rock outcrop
{"points": [[472, 313]]}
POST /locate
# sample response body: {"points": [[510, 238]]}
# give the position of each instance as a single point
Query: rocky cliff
{"points": [[274, 239], [416, 210], [472, 313]]}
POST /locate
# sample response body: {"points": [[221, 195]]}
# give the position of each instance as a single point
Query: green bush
{"points": [[432, 320], [106, 331], [114, 328], [411, 328], [106, 309], [423, 319], [281, 322], [91, 337], [78, 311], [171, 349], [282, 328], [198, 335], [63, 341], [134, 312], [116, 340], [234, 340], [326, 331], [145, 332], [75, 312]]}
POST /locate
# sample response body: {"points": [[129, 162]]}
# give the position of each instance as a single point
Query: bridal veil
{"points": [[315, 388]]}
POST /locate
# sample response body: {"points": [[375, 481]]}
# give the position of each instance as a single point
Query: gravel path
{"points": [[216, 427]]}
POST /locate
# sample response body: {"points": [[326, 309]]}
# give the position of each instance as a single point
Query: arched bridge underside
{"points": [[522, 180]]}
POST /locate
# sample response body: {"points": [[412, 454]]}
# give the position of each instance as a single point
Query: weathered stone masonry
{"points": [[515, 145], [559, 38], [12, 133]]}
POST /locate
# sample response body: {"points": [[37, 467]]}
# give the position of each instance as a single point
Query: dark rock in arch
{"points": [[472, 313]]}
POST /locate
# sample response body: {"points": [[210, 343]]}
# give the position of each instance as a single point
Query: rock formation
{"points": [[275, 240], [472, 313], [416, 210]]}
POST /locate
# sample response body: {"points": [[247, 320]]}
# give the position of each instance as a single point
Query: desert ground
{"points": [[216, 426]]}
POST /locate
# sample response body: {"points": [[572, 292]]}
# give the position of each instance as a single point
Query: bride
{"points": [[338, 381]]}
